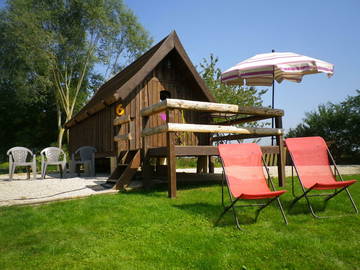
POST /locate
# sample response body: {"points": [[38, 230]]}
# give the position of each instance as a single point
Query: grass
{"points": [[4, 168], [189, 162], [146, 230]]}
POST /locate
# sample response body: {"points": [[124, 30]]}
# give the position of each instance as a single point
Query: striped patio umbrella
{"points": [[264, 69]]}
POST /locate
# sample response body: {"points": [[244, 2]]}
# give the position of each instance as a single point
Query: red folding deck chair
{"points": [[310, 156], [243, 170]]}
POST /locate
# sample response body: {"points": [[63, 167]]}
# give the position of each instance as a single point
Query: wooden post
{"points": [[171, 157], [146, 167], [211, 164], [113, 164], [281, 158], [202, 164]]}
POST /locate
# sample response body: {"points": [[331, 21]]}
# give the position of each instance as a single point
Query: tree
{"points": [[27, 107], [66, 41], [338, 124], [231, 94]]}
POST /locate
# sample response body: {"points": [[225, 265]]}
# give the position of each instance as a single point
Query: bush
{"points": [[338, 124]]}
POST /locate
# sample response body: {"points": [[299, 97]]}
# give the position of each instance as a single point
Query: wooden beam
{"points": [[145, 157], [129, 172], [202, 164], [151, 131], [281, 155], [186, 151], [157, 152], [94, 109], [121, 120], [236, 137], [155, 108], [124, 137], [209, 107], [175, 127], [171, 157], [270, 149], [242, 120], [201, 150]]}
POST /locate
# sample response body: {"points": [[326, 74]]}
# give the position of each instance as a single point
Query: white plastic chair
{"points": [[52, 156], [87, 158], [19, 156]]}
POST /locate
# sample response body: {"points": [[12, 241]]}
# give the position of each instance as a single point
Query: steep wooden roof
{"points": [[121, 85]]}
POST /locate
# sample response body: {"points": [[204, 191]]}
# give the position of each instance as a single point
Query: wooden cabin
{"points": [[165, 67], [149, 106]]}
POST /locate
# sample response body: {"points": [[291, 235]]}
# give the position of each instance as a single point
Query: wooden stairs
{"points": [[129, 162]]}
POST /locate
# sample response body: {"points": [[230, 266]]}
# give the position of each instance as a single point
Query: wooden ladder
{"points": [[129, 162]]}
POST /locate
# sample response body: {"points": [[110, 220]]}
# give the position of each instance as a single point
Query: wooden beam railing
{"points": [[242, 120], [209, 107], [175, 127], [249, 114], [121, 120], [123, 137]]}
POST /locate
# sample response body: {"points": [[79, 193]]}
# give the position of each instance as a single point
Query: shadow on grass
{"points": [[301, 207], [158, 188], [212, 213], [320, 207]]}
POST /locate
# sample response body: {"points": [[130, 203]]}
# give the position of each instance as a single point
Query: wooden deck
{"points": [[225, 130], [198, 151]]}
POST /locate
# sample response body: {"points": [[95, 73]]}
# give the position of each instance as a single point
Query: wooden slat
{"points": [[155, 130], [209, 107], [270, 149], [123, 137], [236, 137], [138, 119], [171, 157], [242, 120], [201, 150], [175, 127], [132, 135], [281, 160], [129, 172], [146, 167], [121, 120]]}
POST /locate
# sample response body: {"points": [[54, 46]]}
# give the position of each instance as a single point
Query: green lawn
{"points": [[146, 230]]}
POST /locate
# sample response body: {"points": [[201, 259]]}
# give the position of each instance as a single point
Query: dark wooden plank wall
{"points": [[149, 93], [94, 131], [172, 75]]}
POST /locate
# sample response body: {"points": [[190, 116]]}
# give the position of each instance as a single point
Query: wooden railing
{"points": [[249, 114], [170, 104], [119, 121]]}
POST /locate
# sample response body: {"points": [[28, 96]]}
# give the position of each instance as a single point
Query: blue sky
{"points": [[234, 30]]}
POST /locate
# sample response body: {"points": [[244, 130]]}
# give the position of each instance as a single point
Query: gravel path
{"points": [[22, 191]]}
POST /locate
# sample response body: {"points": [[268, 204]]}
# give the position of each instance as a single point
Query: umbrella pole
{"points": [[273, 101], [272, 106]]}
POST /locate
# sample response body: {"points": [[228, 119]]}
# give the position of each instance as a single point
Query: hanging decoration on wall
{"points": [[119, 110], [163, 116]]}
